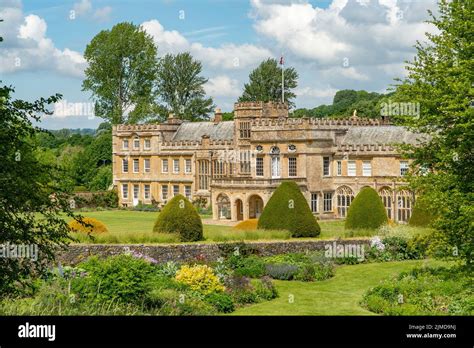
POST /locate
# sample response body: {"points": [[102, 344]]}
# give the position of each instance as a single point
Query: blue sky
{"points": [[333, 44]]}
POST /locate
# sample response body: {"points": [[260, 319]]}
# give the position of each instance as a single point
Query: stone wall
{"points": [[187, 252]]}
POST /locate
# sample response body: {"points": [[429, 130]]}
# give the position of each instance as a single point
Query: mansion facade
{"points": [[236, 165]]}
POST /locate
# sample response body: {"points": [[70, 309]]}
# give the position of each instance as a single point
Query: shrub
{"points": [[422, 215], [221, 301], [247, 225], [282, 271], [264, 288], [288, 209], [250, 266], [200, 278], [88, 225], [366, 211], [180, 216]]}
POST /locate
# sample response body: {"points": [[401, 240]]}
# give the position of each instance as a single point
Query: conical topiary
{"points": [[366, 211], [179, 216], [287, 209], [422, 215]]}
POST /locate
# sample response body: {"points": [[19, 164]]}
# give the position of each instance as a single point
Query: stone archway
{"points": [[255, 206], [223, 206]]}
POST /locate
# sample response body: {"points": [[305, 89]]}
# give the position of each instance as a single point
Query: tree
{"points": [[287, 209], [181, 88], [366, 211], [31, 201], [265, 83], [121, 72], [440, 80]]}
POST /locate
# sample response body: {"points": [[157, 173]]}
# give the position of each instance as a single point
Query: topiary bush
{"points": [[88, 225], [250, 224], [287, 209], [366, 211], [179, 216], [422, 216]]}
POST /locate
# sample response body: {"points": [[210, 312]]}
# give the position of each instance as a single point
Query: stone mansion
{"points": [[236, 165]]}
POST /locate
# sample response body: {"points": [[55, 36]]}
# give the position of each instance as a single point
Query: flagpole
{"points": [[282, 79]]}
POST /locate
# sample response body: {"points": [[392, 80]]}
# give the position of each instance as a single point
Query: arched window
{"points": [[276, 168], [385, 194], [404, 205], [223, 206], [344, 196]]}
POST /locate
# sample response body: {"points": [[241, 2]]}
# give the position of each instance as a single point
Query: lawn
{"points": [[339, 295], [126, 226]]}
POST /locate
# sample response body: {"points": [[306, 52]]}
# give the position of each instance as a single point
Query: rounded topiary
{"points": [[366, 211], [287, 209], [179, 216], [247, 225], [422, 215], [88, 225]]}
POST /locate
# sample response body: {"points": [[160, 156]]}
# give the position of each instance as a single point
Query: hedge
{"points": [[422, 215], [366, 211]]}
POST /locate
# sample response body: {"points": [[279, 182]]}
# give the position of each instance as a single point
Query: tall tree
{"points": [[121, 72], [265, 83], [180, 88], [441, 79]]}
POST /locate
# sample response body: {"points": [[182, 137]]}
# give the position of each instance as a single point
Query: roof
{"points": [[380, 135], [195, 130]]}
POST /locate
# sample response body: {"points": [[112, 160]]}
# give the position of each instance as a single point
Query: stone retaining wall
{"points": [[76, 253]]}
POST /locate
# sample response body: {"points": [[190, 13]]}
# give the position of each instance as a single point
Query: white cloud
{"points": [[82, 7], [226, 56], [103, 14], [27, 47], [222, 86], [315, 92]]}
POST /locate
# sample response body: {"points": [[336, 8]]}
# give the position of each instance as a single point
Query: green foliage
{"points": [[250, 266], [221, 301], [424, 291], [179, 216], [265, 83], [422, 215], [32, 198], [366, 211], [287, 209], [246, 291], [120, 73], [440, 80], [281, 271], [181, 88]]}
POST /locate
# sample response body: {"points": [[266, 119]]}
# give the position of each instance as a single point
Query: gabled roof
{"points": [[380, 135], [195, 130]]}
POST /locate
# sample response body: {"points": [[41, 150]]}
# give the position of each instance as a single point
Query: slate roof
{"points": [[195, 130], [380, 135]]}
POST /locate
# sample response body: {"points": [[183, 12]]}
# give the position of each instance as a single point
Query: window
{"points": [[164, 166], [275, 153], [386, 195], [327, 202], [147, 144], [136, 144], [187, 166], [366, 168], [136, 165], [259, 166], [219, 168], [314, 202], [136, 191], [345, 197], [146, 165], [404, 200], [351, 168], [164, 192], [245, 130], [125, 144], [176, 166], [187, 192], [147, 191], [124, 191], [292, 166], [339, 168], [326, 166], [125, 165], [203, 175], [245, 161], [403, 167], [175, 190]]}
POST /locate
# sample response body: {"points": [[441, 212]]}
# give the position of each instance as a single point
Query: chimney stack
{"points": [[217, 116]]}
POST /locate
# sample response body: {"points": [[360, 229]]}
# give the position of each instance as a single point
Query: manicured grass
{"points": [[339, 295]]}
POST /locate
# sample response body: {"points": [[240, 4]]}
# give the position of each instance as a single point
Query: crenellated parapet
{"points": [[365, 148], [311, 122]]}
